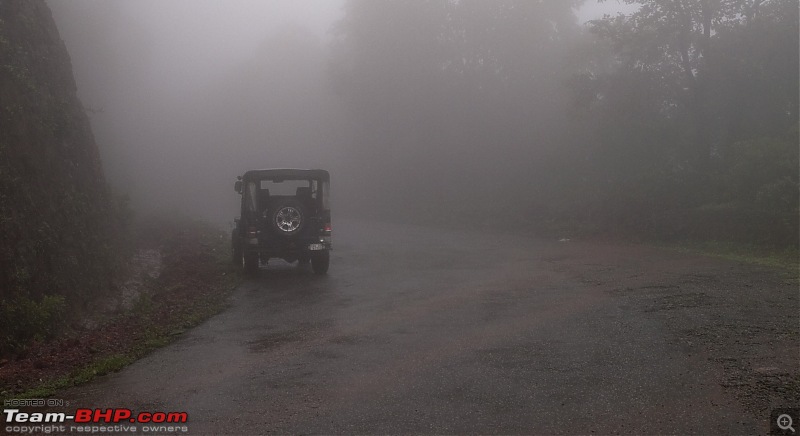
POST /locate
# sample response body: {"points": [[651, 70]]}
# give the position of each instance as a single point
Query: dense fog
{"points": [[501, 113], [184, 96], [482, 216]]}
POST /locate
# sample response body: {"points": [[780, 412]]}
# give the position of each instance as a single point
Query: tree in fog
{"points": [[686, 42], [695, 104], [449, 94]]}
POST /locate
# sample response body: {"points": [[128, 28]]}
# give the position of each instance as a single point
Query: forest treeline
{"points": [[679, 121]]}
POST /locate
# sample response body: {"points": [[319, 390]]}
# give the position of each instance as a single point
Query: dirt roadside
{"points": [[178, 276]]}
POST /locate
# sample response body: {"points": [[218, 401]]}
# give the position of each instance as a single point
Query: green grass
{"points": [[787, 259], [106, 365], [153, 340], [196, 311]]}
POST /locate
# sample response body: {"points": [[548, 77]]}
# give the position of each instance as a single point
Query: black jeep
{"points": [[285, 214]]}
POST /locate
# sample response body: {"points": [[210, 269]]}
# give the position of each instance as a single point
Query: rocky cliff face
{"points": [[55, 213]]}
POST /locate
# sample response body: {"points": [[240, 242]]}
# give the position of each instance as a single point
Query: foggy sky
{"points": [[159, 78], [154, 76]]}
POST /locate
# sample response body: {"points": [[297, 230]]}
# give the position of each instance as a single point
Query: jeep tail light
{"points": [[326, 229]]}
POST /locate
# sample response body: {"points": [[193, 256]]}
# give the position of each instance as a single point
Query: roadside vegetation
{"points": [[76, 297], [786, 258], [192, 283], [62, 232]]}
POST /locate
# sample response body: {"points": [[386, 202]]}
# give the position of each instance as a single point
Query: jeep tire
{"points": [[250, 263], [320, 262], [288, 217], [236, 248]]}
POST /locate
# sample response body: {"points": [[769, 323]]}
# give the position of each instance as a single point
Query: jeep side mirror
{"points": [[238, 186]]}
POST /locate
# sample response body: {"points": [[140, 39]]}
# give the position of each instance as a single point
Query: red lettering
{"points": [[115, 415], [177, 417], [83, 415], [121, 414], [105, 416]]}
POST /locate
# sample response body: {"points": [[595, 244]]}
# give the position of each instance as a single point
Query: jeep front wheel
{"points": [[236, 248]]}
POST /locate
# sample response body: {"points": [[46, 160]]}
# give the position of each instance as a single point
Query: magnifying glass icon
{"points": [[785, 422]]}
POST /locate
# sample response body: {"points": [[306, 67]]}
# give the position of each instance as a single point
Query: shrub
{"points": [[23, 320]]}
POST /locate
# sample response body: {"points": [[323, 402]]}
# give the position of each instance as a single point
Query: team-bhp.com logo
{"points": [[94, 421]]}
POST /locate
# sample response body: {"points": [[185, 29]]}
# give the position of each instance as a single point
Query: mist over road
{"points": [[425, 330], [124, 126]]}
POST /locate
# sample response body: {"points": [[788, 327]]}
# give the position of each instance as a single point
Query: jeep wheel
{"points": [[236, 249], [320, 262], [288, 217], [250, 263]]}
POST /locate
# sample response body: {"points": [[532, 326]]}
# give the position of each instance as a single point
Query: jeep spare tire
{"points": [[288, 217]]}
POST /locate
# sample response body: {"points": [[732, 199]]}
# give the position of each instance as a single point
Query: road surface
{"points": [[419, 330]]}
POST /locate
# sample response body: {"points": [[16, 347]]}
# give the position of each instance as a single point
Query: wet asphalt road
{"points": [[418, 330]]}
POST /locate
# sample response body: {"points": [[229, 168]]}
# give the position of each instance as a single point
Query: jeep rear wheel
{"points": [[320, 262], [288, 217], [250, 263]]}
